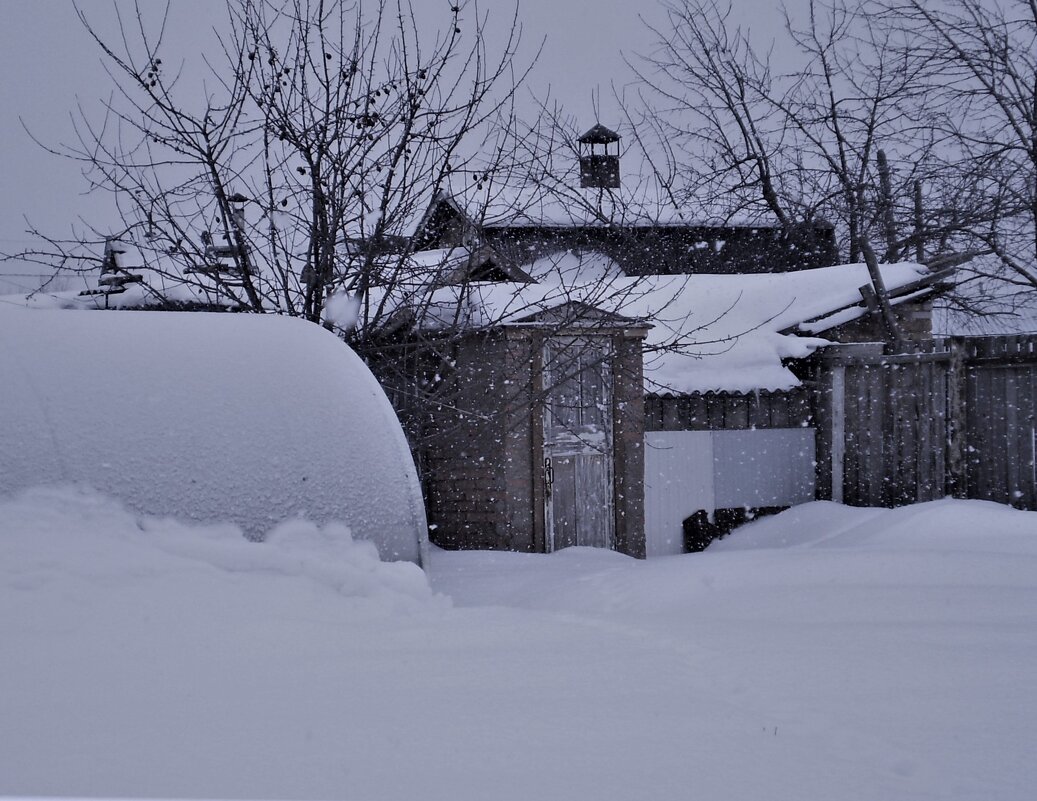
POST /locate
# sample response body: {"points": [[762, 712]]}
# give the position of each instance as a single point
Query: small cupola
{"points": [[599, 168]]}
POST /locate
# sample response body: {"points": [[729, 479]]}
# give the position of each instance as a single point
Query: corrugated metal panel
{"points": [[771, 467], [678, 482], [687, 471]]}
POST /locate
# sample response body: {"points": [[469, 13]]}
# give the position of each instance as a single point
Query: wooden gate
{"points": [[960, 419], [578, 449]]}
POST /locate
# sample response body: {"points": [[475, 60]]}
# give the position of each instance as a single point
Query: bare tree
{"points": [[324, 130], [798, 144], [981, 80]]}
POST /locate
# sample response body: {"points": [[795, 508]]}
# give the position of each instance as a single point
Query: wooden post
{"points": [[957, 480], [919, 223], [889, 226], [838, 430], [892, 329], [536, 422]]}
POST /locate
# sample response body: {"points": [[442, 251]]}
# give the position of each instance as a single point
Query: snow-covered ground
{"points": [[827, 653]]}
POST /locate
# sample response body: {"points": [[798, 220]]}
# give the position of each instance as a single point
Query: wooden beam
{"points": [[894, 334]]}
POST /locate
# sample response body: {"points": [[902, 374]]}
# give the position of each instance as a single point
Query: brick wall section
{"points": [[915, 319]]}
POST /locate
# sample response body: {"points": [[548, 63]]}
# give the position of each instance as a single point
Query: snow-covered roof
{"points": [[985, 304], [708, 332], [155, 280], [168, 288], [252, 419], [563, 206]]}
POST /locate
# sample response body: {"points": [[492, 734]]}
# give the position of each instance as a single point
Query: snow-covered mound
{"points": [[53, 535], [938, 526], [148, 658], [253, 419]]}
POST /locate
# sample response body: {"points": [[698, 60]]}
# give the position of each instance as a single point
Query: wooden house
{"points": [[602, 373], [620, 379]]}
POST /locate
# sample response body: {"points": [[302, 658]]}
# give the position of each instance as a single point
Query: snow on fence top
{"points": [[251, 419]]}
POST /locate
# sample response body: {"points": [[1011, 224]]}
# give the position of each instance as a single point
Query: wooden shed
{"points": [[535, 442]]}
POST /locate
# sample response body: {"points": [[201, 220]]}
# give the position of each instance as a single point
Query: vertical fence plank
{"points": [[776, 409], [1031, 437], [822, 399], [974, 431], [876, 397], [736, 414], [924, 468], [996, 450], [939, 438], [837, 434], [956, 422], [854, 436], [1012, 455]]}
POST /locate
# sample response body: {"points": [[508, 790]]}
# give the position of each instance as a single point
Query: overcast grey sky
{"points": [[48, 64]]}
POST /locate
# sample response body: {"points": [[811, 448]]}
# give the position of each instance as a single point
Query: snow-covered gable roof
{"points": [[707, 332], [532, 206]]}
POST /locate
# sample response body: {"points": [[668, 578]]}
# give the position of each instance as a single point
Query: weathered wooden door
{"points": [[578, 442]]}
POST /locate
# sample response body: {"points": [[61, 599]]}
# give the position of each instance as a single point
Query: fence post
{"points": [[838, 423], [957, 479]]}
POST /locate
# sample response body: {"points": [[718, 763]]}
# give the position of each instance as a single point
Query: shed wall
{"points": [[464, 451]]}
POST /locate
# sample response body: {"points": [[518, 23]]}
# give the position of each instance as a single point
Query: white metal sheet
{"points": [[763, 467], [689, 471], [678, 482]]}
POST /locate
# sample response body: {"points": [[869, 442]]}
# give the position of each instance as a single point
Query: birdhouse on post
{"points": [[598, 168], [114, 273]]}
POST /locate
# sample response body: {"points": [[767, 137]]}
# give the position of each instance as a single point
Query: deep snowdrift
{"points": [[823, 653]]}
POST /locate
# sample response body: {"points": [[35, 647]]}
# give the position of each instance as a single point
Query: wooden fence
{"points": [[715, 411], [958, 419], [999, 395]]}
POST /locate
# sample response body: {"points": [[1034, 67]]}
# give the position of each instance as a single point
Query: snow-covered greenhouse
{"points": [[211, 417]]}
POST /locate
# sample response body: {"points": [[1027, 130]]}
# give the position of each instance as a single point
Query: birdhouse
{"points": [[237, 203], [114, 274], [598, 167]]}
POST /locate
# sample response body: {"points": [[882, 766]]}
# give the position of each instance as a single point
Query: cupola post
{"points": [[599, 168]]}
